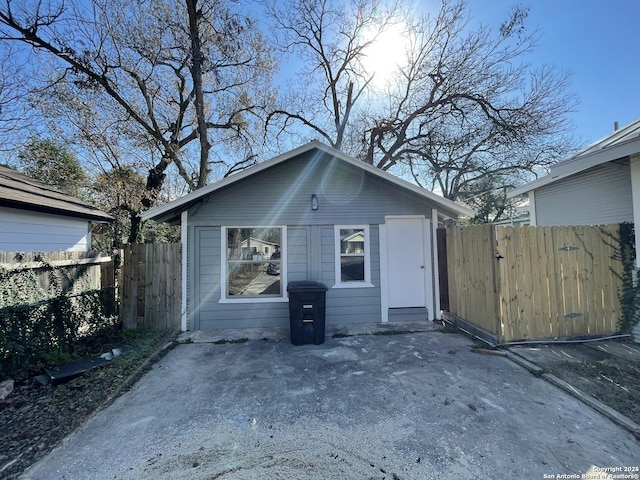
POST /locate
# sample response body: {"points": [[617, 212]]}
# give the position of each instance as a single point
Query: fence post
{"points": [[495, 274], [129, 288]]}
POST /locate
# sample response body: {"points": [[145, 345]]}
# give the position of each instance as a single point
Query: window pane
{"points": [[253, 262], [352, 241], [250, 279], [352, 269]]}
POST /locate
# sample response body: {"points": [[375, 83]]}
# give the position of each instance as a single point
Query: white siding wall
{"points": [[24, 231], [599, 196]]}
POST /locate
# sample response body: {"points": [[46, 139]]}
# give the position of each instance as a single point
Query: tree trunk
{"points": [[197, 59]]}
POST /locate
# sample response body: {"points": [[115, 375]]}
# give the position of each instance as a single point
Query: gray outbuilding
{"points": [[317, 214]]}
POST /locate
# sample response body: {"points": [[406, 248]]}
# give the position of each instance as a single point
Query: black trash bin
{"points": [[306, 312]]}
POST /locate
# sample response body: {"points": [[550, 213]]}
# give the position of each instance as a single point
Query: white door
{"points": [[406, 265]]}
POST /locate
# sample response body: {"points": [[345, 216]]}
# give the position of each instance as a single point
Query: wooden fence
{"points": [[524, 283], [150, 286], [49, 301], [53, 274]]}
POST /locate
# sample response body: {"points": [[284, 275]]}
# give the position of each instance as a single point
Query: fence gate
{"points": [[520, 283]]}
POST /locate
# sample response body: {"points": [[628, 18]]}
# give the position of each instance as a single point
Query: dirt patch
{"points": [[611, 375], [35, 418]]}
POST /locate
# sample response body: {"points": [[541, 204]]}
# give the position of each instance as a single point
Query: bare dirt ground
{"points": [[614, 383], [608, 371], [35, 418]]}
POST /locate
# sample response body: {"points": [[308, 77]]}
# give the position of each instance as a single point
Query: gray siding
{"points": [[281, 196], [297, 253], [598, 196], [350, 305], [207, 311]]}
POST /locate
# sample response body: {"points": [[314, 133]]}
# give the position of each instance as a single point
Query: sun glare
{"points": [[385, 54]]}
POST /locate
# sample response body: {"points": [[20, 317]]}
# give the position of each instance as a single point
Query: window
{"points": [[352, 256], [253, 267]]}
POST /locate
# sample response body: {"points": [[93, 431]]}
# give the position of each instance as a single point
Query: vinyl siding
{"points": [[598, 196], [351, 305], [25, 231], [281, 196]]}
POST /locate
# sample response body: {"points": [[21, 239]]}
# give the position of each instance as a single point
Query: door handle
{"points": [[421, 266]]}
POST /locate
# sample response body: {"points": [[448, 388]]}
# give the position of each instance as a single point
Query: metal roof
{"points": [[170, 210], [21, 192], [622, 143]]}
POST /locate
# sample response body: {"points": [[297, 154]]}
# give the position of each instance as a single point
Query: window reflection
{"points": [[352, 254], [253, 262]]}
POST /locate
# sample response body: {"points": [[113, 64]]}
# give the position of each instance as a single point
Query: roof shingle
{"points": [[21, 192]]}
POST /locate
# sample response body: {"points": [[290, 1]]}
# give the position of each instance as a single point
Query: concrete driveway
{"points": [[405, 406]]}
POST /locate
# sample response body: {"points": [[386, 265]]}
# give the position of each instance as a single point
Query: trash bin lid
{"points": [[306, 286]]}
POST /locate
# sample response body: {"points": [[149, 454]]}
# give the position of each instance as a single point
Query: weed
{"points": [[224, 341], [55, 357], [392, 332]]}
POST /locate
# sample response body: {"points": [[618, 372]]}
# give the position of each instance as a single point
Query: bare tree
{"points": [[163, 75], [330, 39], [461, 106], [13, 111], [466, 106]]}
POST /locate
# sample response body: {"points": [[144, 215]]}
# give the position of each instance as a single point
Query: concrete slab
{"points": [[408, 406]]}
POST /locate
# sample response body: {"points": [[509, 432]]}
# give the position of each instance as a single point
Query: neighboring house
{"points": [[258, 246], [518, 220], [366, 234], [35, 217], [599, 185]]}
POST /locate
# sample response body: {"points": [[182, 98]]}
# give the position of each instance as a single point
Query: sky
{"points": [[597, 42]]}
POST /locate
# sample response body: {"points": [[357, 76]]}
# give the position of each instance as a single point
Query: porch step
{"points": [[417, 314]]}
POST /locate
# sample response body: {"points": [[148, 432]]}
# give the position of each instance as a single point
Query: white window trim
{"points": [[223, 268], [367, 258]]}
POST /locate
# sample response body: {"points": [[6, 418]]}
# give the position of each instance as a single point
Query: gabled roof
{"points": [[622, 143], [169, 210], [21, 192]]}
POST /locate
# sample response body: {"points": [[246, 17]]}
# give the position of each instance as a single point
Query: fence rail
{"points": [[522, 283]]}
